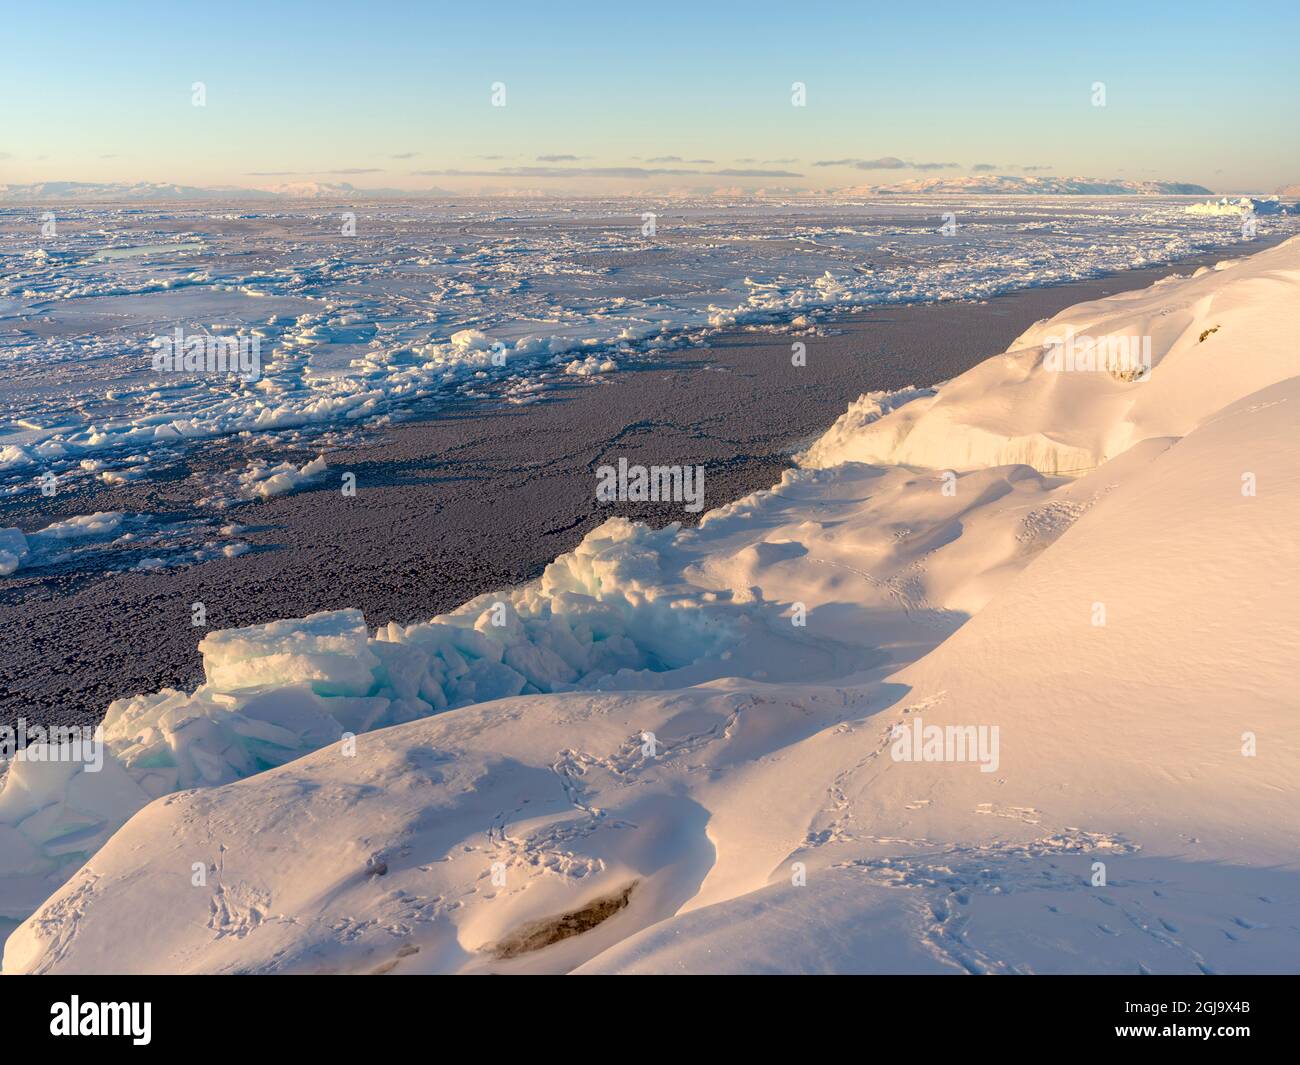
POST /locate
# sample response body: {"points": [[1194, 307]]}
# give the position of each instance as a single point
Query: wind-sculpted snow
{"points": [[645, 762], [1198, 343], [423, 303], [631, 608]]}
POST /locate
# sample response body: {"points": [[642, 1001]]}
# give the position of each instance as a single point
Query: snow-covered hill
{"points": [[1087, 581], [1016, 185], [99, 191], [312, 189], [157, 192]]}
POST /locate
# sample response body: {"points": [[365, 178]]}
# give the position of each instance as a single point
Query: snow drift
{"points": [[1215, 337]]}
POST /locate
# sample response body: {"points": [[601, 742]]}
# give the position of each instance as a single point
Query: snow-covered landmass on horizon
{"points": [[1033, 185], [342, 191], [647, 745]]}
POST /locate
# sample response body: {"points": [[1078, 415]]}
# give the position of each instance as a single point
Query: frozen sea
{"points": [[365, 314]]}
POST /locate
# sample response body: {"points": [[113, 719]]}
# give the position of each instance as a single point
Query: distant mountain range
{"points": [[976, 184], [1003, 184], [152, 191]]}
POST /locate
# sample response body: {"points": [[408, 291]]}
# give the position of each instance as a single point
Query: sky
{"points": [[607, 98]]}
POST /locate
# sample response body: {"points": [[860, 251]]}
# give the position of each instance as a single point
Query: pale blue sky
{"points": [[373, 93]]}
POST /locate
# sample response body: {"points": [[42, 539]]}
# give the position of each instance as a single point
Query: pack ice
{"points": [[426, 302], [644, 762]]}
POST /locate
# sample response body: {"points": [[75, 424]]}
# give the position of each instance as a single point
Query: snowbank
{"points": [[1051, 401], [631, 608]]}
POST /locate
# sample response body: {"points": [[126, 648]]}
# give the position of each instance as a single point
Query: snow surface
{"points": [[649, 718], [1019, 408]]}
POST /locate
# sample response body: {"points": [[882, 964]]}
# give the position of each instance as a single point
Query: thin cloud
{"points": [[557, 158], [310, 173], [599, 172], [753, 173], [887, 162], [404, 155], [984, 167]]}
